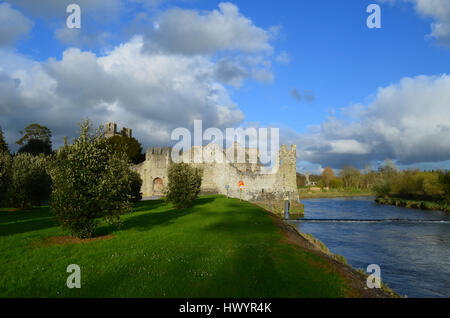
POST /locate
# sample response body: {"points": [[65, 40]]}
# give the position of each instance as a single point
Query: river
{"points": [[412, 247]]}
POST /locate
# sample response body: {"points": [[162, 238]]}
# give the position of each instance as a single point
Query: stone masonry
{"points": [[111, 130], [222, 177]]}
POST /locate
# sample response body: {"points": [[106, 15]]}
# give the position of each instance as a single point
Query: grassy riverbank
{"points": [[415, 204], [219, 248], [307, 193]]}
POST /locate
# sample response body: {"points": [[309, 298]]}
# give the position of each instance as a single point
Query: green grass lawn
{"points": [[219, 248]]}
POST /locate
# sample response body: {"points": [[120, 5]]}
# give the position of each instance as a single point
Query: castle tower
{"points": [[288, 169], [111, 130], [126, 132]]}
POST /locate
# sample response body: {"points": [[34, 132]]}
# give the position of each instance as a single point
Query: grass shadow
{"points": [[26, 226], [145, 221], [15, 215], [203, 200], [17, 222], [142, 206]]}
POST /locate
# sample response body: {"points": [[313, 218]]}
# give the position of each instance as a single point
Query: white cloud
{"points": [[283, 58], [56, 9], [96, 15], [79, 38], [231, 72], [151, 93], [12, 24], [191, 32], [263, 75], [439, 11], [153, 83], [408, 121]]}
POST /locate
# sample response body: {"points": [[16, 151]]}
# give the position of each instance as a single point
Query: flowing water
{"points": [[412, 247]]}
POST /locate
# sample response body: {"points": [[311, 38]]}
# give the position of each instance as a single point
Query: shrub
{"points": [[5, 175], [444, 180], [136, 184], [3, 144], [131, 146], [382, 188], [336, 183], [30, 183], [36, 147], [90, 181], [184, 184], [327, 176]]}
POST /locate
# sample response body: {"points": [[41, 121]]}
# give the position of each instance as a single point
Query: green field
{"points": [[219, 248]]}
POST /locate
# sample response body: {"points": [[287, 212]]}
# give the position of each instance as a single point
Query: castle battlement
{"points": [[111, 130], [222, 177]]}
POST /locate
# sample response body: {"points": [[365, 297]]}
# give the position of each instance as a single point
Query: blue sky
{"points": [[362, 90]]}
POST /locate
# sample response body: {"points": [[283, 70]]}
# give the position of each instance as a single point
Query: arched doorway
{"points": [[158, 187]]}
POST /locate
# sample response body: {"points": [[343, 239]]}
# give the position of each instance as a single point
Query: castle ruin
{"points": [[111, 131], [222, 177]]}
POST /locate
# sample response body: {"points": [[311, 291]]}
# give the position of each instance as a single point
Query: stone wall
{"points": [[111, 130], [222, 177]]}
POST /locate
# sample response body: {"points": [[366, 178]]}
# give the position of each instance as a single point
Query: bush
{"points": [[30, 183], [5, 175], [382, 188], [444, 180], [136, 184], [184, 184], [130, 146], [336, 183], [90, 181], [36, 147], [3, 144]]}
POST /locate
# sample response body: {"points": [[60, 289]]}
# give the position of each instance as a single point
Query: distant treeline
{"points": [[388, 182], [415, 185]]}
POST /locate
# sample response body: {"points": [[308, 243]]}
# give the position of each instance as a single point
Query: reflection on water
{"points": [[411, 246]]}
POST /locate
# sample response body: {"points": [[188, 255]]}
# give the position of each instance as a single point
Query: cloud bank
{"points": [[408, 121], [151, 93], [163, 78], [439, 11], [12, 25]]}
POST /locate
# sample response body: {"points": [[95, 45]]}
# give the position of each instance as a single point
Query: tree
{"points": [[336, 183], [136, 185], [431, 186], [35, 140], [301, 180], [5, 175], [30, 183], [90, 181], [35, 131], [36, 147], [351, 177], [368, 177], [389, 168], [3, 144], [444, 180], [130, 146], [184, 184], [327, 176]]}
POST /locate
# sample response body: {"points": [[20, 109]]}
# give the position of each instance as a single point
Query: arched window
{"points": [[158, 186]]}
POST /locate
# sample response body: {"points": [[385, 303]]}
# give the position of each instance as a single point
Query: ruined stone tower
{"points": [[111, 130], [223, 177]]}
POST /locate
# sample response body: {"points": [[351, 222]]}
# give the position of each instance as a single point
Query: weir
{"points": [[370, 221]]}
